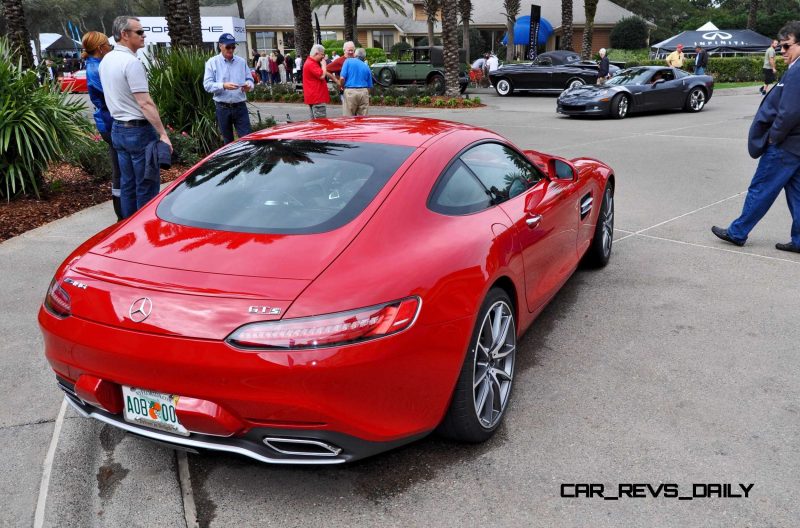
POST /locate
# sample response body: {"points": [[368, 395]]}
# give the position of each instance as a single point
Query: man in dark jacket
{"points": [[602, 72], [775, 138], [700, 61]]}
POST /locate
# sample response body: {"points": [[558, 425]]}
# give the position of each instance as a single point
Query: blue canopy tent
{"points": [[522, 30]]}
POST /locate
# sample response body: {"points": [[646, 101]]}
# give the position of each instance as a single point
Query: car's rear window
{"points": [[283, 186]]}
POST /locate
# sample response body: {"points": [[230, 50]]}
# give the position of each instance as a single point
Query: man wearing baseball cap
{"points": [[675, 59], [228, 78]]}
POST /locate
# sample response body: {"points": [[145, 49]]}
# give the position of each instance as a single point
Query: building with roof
{"points": [[271, 22]]}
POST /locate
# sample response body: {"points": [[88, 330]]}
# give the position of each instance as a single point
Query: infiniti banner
{"points": [[533, 37]]}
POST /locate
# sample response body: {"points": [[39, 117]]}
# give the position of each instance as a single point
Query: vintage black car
{"points": [[552, 71], [422, 65], [639, 89]]}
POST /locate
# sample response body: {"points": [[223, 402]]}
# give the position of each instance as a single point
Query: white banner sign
{"points": [[156, 30]]}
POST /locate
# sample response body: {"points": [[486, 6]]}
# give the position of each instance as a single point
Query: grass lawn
{"points": [[722, 86]]}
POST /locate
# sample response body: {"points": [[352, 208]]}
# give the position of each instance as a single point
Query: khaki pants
{"points": [[356, 101]]}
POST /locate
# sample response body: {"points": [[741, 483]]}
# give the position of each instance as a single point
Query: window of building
{"points": [[266, 41], [383, 39], [328, 35]]}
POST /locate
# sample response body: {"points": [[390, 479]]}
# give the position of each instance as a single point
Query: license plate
{"points": [[152, 409]]}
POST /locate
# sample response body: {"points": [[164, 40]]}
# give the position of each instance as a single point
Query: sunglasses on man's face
{"points": [[230, 47], [785, 46], [139, 32]]}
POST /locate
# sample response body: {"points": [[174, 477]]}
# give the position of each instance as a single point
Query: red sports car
{"points": [[322, 291], [74, 82]]}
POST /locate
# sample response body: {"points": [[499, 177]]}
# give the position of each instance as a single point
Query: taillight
{"points": [[57, 300], [337, 329]]}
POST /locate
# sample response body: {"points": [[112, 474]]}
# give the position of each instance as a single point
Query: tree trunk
{"points": [[431, 7], [450, 45], [356, 5], [588, 30], [177, 15], [752, 14], [303, 31], [566, 25], [18, 35], [347, 9], [465, 6], [195, 28], [512, 10]]}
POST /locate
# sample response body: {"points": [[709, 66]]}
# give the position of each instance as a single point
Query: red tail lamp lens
{"points": [[328, 330], [57, 300]]}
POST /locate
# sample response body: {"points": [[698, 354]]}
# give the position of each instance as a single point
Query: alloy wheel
{"points": [[697, 99], [608, 221], [495, 352]]}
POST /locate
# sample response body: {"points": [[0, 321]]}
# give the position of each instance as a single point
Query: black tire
{"points": [[575, 82], [620, 106], [599, 252], [436, 84], [696, 100], [503, 87], [386, 76], [466, 419]]}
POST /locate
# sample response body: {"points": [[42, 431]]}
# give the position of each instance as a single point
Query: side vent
{"points": [[586, 206]]}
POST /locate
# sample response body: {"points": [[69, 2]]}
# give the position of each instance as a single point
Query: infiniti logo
{"points": [[717, 35], [140, 309]]}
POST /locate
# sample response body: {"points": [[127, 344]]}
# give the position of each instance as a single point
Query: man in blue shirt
{"points": [[774, 137], [228, 78], [356, 77]]}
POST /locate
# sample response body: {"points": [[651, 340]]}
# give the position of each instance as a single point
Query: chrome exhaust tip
{"points": [[302, 447]]}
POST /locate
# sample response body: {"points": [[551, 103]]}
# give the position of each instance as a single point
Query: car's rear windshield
{"points": [[283, 186]]}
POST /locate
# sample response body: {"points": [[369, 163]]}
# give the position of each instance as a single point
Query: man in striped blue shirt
{"points": [[228, 78]]}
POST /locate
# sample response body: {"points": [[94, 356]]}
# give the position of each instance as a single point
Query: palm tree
{"points": [[17, 29], [450, 44], [751, 15], [177, 15], [566, 24], [303, 31], [465, 7], [350, 11], [512, 10], [588, 29], [195, 32], [431, 7]]}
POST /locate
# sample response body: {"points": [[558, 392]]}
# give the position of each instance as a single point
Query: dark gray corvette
{"points": [[639, 89]]}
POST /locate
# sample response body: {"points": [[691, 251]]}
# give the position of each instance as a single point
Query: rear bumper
{"points": [[267, 445], [363, 398]]}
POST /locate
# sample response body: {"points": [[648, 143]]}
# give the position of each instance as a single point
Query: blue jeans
{"points": [[229, 117], [699, 70], [777, 169], [130, 144]]}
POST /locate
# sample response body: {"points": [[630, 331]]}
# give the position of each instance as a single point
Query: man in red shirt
{"points": [[315, 85], [335, 67]]}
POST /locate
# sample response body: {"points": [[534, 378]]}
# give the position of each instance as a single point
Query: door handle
{"points": [[533, 221]]}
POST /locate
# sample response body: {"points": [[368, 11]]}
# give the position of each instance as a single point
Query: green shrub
{"points": [[388, 100], [92, 156], [476, 101], [453, 102], [262, 123], [401, 100], [375, 100], [398, 49], [439, 103], [629, 33], [723, 69], [425, 100], [186, 150], [38, 124], [415, 100], [176, 85]]}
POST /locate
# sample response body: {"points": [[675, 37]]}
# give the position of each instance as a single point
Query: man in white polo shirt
{"points": [[136, 119]]}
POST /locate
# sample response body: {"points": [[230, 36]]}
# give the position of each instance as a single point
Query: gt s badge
{"points": [[264, 310]]}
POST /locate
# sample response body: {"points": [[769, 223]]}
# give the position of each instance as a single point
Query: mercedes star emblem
{"points": [[140, 309]]}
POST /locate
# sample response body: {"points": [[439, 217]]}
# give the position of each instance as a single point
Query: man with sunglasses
{"points": [[774, 138], [136, 121], [228, 78]]}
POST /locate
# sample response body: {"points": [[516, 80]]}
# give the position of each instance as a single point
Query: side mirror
{"points": [[561, 170]]}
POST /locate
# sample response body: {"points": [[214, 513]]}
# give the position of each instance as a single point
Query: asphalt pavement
{"points": [[677, 365]]}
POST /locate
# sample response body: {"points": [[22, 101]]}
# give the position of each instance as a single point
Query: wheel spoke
{"points": [[484, 371], [500, 375], [500, 354], [483, 398], [483, 353], [501, 339]]}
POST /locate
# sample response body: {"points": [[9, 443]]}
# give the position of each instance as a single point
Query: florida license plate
{"points": [[152, 409]]}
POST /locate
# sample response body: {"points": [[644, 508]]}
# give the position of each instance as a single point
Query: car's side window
{"points": [[504, 172], [459, 192]]}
